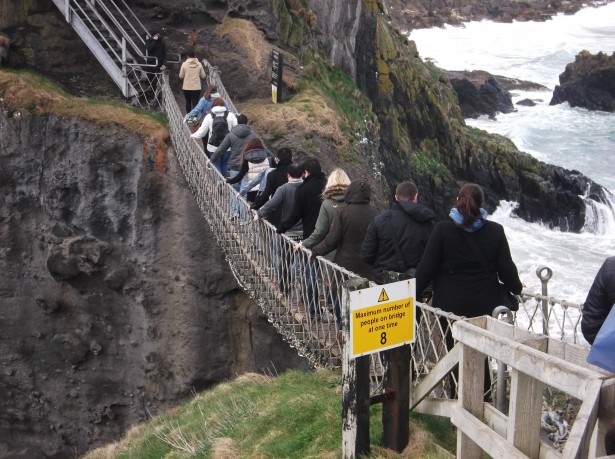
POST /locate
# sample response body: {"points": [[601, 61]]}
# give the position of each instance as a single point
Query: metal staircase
{"points": [[117, 38]]}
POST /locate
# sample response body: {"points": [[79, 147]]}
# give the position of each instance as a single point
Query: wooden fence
{"points": [[535, 362]]}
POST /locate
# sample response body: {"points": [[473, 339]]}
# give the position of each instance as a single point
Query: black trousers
{"points": [[192, 98]]}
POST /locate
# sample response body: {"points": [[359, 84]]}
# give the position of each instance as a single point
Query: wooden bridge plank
{"points": [[483, 436], [435, 407], [433, 378], [471, 386], [577, 445], [525, 412]]}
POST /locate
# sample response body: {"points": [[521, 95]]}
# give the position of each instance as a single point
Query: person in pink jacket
{"points": [[191, 73]]}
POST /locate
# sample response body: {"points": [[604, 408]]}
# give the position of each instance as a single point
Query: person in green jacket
{"points": [[333, 195]]}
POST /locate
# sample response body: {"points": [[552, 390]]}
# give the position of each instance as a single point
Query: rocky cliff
{"points": [[115, 301], [588, 82]]}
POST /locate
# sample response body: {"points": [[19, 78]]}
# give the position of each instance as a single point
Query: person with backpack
{"points": [[217, 123], [191, 73]]}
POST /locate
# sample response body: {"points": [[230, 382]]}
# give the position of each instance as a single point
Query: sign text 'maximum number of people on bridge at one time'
{"points": [[382, 317]]}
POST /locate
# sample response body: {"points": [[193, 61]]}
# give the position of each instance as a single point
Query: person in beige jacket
{"points": [[191, 72]]}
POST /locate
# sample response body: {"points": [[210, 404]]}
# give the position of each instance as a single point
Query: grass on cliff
{"points": [[294, 415], [27, 91]]}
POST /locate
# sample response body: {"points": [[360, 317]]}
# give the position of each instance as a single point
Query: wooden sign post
{"points": [[376, 319], [277, 69]]}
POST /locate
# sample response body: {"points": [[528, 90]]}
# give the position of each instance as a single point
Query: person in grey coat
{"points": [[231, 146], [284, 200]]}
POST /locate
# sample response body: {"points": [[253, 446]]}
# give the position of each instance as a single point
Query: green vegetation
{"points": [[295, 21], [29, 91], [340, 90], [295, 415]]}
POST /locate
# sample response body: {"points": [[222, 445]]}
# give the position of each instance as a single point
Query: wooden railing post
{"points": [[471, 387], [355, 386], [396, 403], [526, 408], [397, 382]]}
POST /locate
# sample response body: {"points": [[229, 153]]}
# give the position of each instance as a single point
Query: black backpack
{"points": [[219, 128]]}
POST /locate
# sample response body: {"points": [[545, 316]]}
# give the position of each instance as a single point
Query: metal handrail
{"points": [[130, 22], [86, 17], [118, 26]]}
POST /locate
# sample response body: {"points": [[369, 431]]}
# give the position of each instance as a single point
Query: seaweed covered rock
{"points": [[588, 82]]}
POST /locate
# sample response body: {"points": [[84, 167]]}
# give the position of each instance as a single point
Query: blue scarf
{"points": [[477, 224]]}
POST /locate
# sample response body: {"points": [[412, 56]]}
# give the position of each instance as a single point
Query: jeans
{"points": [[260, 180], [222, 162], [234, 200], [311, 286]]}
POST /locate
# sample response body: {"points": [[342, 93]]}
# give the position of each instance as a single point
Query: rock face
{"points": [[116, 301], [482, 98], [588, 82]]}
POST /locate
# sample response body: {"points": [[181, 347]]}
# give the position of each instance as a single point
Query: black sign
{"points": [[277, 67]]}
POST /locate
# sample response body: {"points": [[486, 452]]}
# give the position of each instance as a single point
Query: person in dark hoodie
{"points": [[396, 239], [275, 179], [227, 156], [307, 199], [347, 232]]}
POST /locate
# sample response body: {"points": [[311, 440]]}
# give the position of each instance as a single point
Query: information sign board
{"points": [[382, 317]]}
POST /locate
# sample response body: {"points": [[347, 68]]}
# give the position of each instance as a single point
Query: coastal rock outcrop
{"points": [[588, 82], [482, 93], [417, 14], [482, 97], [116, 301]]}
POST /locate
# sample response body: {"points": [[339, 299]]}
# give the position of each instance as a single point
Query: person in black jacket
{"points": [[155, 48], [396, 239], [275, 179], [598, 304], [466, 258], [307, 199], [599, 301]]}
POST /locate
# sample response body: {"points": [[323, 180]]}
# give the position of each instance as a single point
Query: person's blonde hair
{"points": [[337, 178]]}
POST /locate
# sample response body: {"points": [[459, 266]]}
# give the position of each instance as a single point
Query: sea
{"points": [[573, 138]]}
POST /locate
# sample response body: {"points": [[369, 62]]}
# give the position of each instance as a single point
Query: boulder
{"points": [[588, 82], [478, 98], [526, 102]]}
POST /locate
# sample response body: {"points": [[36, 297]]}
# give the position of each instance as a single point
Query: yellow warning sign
{"points": [[383, 326], [382, 317]]}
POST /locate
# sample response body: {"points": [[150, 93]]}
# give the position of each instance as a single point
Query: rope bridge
{"points": [[297, 294]]}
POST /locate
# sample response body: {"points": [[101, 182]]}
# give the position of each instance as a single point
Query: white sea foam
{"points": [[573, 138]]}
